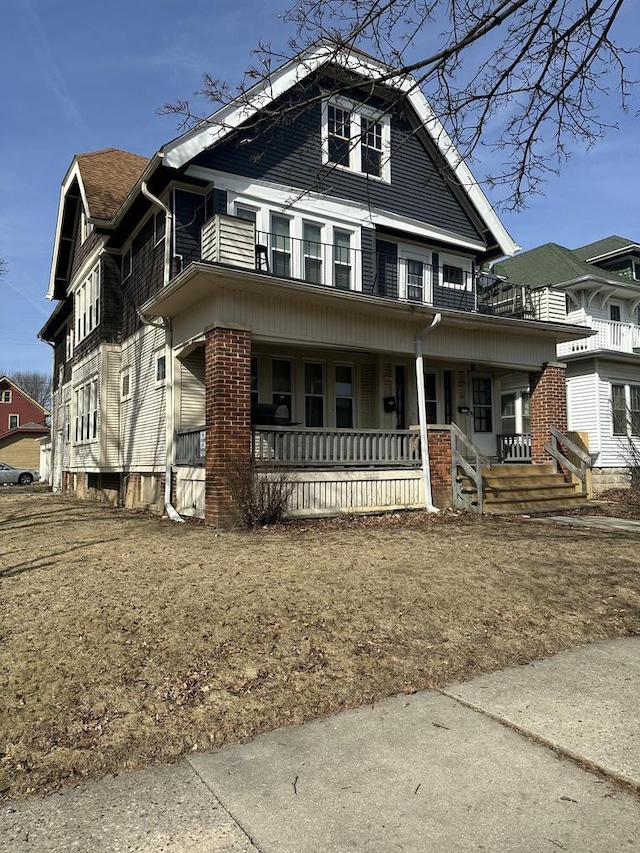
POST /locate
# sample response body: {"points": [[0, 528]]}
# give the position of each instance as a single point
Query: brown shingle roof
{"points": [[108, 176]]}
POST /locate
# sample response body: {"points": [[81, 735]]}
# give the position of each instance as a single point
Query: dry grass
{"points": [[126, 640]]}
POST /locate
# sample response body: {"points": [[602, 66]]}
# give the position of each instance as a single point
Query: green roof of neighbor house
{"points": [[552, 264], [603, 247]]}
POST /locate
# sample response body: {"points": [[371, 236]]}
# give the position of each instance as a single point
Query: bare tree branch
{"points": [[522, 78]]}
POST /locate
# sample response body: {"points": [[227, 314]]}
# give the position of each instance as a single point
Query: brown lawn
{"points": [[126, 640]]}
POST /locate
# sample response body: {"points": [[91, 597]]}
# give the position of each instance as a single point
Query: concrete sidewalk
{"points": [[435, 771]]}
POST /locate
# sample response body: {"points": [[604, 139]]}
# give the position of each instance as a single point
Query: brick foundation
{"points": [[548, 407], [227, 418], [440, 463]]}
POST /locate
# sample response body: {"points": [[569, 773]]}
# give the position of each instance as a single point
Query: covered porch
{"points": [[323, 384]]}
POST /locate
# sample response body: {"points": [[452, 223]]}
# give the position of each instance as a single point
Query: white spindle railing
{"points": [[344, 447], [611, 335]]}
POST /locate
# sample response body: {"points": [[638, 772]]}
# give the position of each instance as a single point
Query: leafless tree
{"points": [[3, 267], [525, 78]]}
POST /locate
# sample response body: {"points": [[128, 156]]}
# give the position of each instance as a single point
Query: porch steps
{"points": [[517, 489]]}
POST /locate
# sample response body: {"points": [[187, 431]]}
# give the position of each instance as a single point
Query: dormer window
{"points": [[356, 137]]}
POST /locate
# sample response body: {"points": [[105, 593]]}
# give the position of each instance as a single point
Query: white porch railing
{"points": [[307, 447], [620, 337], [514, 448]]}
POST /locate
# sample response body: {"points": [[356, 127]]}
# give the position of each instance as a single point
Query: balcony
{"points": [[406, 275], [611, 335]]}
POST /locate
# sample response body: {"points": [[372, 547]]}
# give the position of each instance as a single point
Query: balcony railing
{"points": [[611, 335], [307, 447]]}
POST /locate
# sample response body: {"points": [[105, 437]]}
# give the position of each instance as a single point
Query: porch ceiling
{"points": [[199, 282]]}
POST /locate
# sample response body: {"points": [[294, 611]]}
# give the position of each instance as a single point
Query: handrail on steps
{"points": [[473, 469], [559, 438]]}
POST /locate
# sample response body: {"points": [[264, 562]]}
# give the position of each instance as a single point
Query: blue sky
{"points": [[80, 76]]}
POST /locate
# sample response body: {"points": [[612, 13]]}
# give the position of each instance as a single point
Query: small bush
{"points": [[261, 498]]}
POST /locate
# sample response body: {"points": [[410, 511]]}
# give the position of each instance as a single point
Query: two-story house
{"points": [[597, 286], [22, 425], [293, 281]]}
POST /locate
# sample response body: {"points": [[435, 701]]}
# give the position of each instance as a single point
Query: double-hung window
{"points": [[415, 280], [281, 246], [312, 252], [86, 406], [281, 384], [339, 136], [372, 149], [625, 409], [87, 304], [356, 137], [313, 394], [342, 259], [344, 396], [5, 396]]}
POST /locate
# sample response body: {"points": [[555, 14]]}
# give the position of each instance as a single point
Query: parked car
{"points": [[22, 476]]}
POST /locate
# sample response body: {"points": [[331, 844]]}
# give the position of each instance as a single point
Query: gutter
{"points": [[170, 446], [422, 414]]}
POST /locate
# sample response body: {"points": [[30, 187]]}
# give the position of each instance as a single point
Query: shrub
{"points": [[262, 497]]}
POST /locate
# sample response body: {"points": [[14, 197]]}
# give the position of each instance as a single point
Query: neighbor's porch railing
{"points": [[310, 447], [611, 335], [514, 448]]}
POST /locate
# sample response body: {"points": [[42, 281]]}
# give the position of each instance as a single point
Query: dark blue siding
{"points": [[367, 237], [189, 218], [452, 299], [290, 154]]}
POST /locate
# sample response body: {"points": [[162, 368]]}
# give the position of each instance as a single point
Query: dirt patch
{"points": [[126, 639]]}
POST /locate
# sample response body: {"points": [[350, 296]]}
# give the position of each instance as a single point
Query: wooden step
{"points": [[517, 470], [531, 507]]}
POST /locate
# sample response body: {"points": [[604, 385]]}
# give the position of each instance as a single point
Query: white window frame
{"points": [[628, 413], [125, 384], [161, 356], [460, 263], [17, 421], [358, 112], [425, 257], [86, 403], [6, 395], [87, 305]]}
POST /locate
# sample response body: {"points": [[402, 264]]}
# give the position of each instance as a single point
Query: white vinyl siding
{"points": [[142, 414], [192, 391]]}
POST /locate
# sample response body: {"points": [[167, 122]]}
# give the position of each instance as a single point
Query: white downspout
{"points": [[170, 441], [422, 415]]}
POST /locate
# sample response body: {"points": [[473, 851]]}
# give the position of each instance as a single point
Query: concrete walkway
{"points": [[593, 522], [488, 765]]}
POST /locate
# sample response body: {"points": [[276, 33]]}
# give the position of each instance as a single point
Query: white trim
{"points": [[261, 193], [183, 149], [357, 111]]}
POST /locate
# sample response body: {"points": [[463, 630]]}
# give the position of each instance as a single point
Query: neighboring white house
{"points": [[597, 286], [254, 265]]}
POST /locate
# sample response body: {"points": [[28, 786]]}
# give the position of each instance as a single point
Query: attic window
{"points": [[356, 137], [5, 396]]}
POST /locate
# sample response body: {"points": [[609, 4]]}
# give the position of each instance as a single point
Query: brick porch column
{"points": [[227, 417], [440, 462], [548, 407]]}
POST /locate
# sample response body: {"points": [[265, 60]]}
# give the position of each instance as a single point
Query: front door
{"points": [[482, 414]]}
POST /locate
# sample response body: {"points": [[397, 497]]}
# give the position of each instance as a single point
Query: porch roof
{"points": [[197, 283]]}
